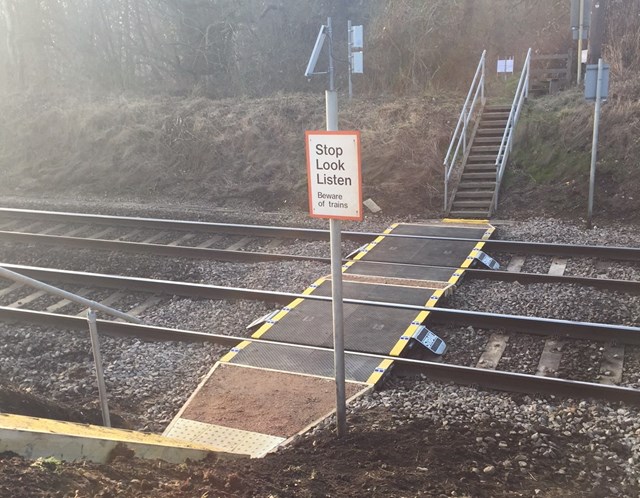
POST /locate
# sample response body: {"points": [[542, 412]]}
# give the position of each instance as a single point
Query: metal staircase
{"points": [[484, 134], [474, 195]]}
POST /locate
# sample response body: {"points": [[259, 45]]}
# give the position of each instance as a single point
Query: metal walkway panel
{"points": [[370, 329], [302, 361], [382, 293], [391, 270], [431, 252], [229, 412], [453, 228]]}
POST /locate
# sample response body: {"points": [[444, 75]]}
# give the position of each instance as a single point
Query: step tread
{"points": [[484, 148], [484, 158], [481, 203], [473, 184], [479, 176], [463, 214], [481, 166], [488, 140], [495, 115], [475, 194], [490, 132], [497, 123]]}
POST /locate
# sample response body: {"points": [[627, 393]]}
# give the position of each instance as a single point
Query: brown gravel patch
{"points": [[264, 401]]}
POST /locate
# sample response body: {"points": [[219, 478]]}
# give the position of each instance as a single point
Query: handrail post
{"points": [[464, 131], [97, 358], [446, 190], [528, 68], [482, 97]]}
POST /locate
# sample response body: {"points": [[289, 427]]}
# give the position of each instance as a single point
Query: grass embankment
{"points": [[549, 170], [217, 151]]}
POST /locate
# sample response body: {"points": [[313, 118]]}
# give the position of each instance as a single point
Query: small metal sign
{"points": [[505, 65], [357, 37], [591, 81], [357, 63]]}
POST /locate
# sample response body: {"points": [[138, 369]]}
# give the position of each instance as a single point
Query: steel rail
{"points": [[492, 379], [166, 224], [602, 252], [247, 256], [515, 323], [211, 292], [156, 249], [510, 246], [631, 286]]}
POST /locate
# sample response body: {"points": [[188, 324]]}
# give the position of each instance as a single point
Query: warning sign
{"points": [[334, 171]]}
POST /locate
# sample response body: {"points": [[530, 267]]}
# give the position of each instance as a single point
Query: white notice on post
{"points": [[334, 174]]}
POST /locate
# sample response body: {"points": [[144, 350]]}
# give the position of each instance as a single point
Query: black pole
{"points": [[597, 31]]}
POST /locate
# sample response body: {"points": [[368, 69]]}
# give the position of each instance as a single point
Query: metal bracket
{"points": [[262, 320], [487, 261], [429, 340], [352, 254]]}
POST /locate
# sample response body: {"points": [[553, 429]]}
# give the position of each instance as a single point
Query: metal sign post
{"points": [[333, 167], [580, 35], [354, 52], [594, 144], [350, 55]]}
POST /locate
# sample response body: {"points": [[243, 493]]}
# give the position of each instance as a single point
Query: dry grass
{"points": [[202, 149], [550, 169]]}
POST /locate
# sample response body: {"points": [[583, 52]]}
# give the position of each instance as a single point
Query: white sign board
{"points": [[357, 40], [357, 63], [505, 65], [334, 174]]}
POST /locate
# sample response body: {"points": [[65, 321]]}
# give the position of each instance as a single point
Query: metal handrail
{"points": [[18, 277], [506, 145], [93, 327], [459, 138]]}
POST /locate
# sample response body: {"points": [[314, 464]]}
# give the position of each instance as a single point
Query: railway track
{"points": [[224, 241], [138, 295], [251, 243], [607, 370]]}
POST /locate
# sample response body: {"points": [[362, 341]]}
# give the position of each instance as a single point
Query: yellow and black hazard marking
{"points": [[416, 323], [401, 346], [369, 247], [234, 351], [284, 311]]}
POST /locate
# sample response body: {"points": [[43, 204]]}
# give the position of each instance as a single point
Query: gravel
{"points": [[148, 382], [560, 301], [595, 443], [567, 232]]}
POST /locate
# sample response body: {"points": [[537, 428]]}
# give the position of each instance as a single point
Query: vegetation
{"points": [[257, 47], [551, 163], [193, 98]]}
